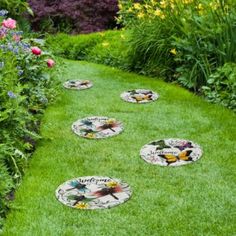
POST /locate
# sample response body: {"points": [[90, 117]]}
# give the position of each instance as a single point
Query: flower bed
{"points": [[26, 88]]}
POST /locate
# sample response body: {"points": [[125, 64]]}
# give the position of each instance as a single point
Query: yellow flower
{"points": [[130, 10], [110, 121], [163, 4], [120, 6], [158, 12], [122, 36], [173, 51], [105, 44], [81, 205], [137, 6], [140, 15], [187, 1], [200, 7], [112, 184], [213, 5], [162, 16], [90, 135]]}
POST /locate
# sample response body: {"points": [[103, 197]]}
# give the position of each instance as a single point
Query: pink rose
{"points": [[9, 23], [50, 63], [36, 51]]}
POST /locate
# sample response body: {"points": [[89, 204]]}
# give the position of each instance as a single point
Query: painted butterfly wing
{"points": [[184, 146], [148, 93], [169, 158], [185, 156]]}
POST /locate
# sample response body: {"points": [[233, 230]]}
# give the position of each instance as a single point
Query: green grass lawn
{"points": [[196, 199]]}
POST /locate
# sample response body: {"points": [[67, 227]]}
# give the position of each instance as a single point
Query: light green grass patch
{"points": [[196, 199]]}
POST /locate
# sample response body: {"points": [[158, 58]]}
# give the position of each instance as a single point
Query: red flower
{"points": [[50, 63], [36, 51]]}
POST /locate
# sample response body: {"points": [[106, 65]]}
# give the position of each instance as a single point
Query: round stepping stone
{"points": [[171, 152], [93, 192], [78, 84], [139, 96], [97, 127]]}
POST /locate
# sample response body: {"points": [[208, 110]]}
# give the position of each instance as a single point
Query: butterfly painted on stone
{"points": [[108, 191], [183, 156], [77, 185], [184, 146], [160, 144], [142, 97], [110, 124]]}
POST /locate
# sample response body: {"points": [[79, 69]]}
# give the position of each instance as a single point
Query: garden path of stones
{"points": [[99, 192]]}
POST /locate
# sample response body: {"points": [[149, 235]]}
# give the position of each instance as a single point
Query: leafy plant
{"points": [[221, 86], [108, 47], [26, 88]]}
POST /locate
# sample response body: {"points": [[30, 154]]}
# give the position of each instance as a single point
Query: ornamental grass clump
{"points": [[181, 40]]}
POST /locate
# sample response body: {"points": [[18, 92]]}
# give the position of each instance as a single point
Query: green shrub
{"points": [[6, 185], [26, 88], [108, 47], [221, 86], [15, 8], [181, 40]]}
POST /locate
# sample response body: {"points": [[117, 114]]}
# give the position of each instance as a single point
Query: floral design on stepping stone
{"points": [[97, 127], [93, 192], [139, 96], [78, 84], [171, 152]]}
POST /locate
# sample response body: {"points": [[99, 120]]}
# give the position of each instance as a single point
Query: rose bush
{"points": [[27, 86]]}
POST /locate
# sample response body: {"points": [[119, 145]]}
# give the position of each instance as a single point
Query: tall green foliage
{"points": [[15, 7]]}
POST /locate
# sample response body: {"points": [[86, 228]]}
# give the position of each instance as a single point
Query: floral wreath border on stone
{"points": [[139, 96], [78, 84], [171, 152], [97, 127], [93, 192]]}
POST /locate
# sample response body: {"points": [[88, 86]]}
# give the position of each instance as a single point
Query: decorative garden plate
{"points": [[78, 84], [97, 127], [171, 152], [139, 96], [93, 192]]}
